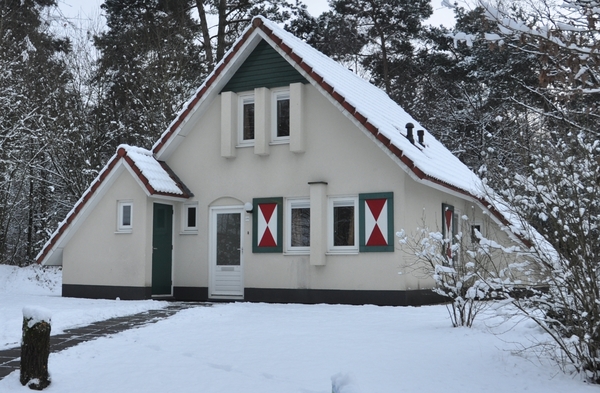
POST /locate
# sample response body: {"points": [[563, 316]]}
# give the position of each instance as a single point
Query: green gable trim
{"points": [[263, 68], [362, 199]]}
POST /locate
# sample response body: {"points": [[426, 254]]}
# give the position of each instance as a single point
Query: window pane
{"points": [[126, 215], [283, 117], [301, 227], [343, 225], [248, 121], [228, 238], [191, 217]]}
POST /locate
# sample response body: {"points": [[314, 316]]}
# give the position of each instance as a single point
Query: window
{"points": [[281, 115], [190, 218], [298, 218], [125, 216], [246, 119], [448, 228], [342, 225], [474, 229]]}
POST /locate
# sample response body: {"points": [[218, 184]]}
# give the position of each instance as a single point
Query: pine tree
{"points": [[33, 100], [150, 63]]}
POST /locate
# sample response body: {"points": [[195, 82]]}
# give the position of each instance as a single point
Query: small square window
{"points": [[190, 217], [124, 216], [474, 229], [298, 227], [343, 225]]}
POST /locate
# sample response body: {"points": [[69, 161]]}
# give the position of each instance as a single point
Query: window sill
{"points": [[240, 145], [123, 231], [296, 253], [342, 252], [190, 232], [279, 142]]}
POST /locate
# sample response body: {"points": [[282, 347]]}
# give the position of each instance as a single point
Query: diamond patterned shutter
{"points": [[267, 225], [448, 228], [376, 221]]}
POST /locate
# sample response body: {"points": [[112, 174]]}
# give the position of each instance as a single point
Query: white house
{"points": [[283, 179]]}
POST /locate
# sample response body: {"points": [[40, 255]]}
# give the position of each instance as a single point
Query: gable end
{"points": [[264, 67]]}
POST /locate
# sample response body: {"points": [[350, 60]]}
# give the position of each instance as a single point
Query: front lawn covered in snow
{"points": [[242, 347]]}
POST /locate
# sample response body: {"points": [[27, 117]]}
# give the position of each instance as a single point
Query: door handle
{"points": [[155, 248]]}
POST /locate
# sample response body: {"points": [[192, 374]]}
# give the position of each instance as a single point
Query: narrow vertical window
{"points": [[124, 216], [343, 225], [280, 110], [189, 217], [283, 117], [298, 227], [248, 119]]}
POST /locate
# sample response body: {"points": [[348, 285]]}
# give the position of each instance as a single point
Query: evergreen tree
{"points": [[34, 97], [150, 63]]}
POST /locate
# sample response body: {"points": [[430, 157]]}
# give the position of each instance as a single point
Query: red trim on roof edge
{"points": [[69, 219], [338, 97], [204, 88], [349, 107], [383, 139], [371, 128]]}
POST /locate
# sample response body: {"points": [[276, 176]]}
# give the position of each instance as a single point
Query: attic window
{"points": [[281, 115], [246, 121]]}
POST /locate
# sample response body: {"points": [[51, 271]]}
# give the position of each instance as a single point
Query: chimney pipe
{"points": [[421, 137], [409, 132]]}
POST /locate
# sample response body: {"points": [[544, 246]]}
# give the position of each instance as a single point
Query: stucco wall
{"points": [[338, 153], [98, 255]]}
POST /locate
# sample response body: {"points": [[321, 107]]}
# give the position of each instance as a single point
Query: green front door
{"points": [[162, 249]]}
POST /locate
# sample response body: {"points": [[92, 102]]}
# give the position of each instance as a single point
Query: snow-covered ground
{"points": [[243, 347], [41, 287]]}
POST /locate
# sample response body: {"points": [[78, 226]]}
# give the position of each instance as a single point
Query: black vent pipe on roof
{"points": [[421, 137], [409, 132]]}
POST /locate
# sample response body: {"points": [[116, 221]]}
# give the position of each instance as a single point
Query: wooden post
{"points": [[35, 348]]}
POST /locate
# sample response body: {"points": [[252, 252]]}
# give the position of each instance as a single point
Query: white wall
{"points": [[98, 255], [338, 153]]}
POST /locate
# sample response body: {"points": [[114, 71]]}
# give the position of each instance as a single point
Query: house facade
{"points": [[284, 179]]}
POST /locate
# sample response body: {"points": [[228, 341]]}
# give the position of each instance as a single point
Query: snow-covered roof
{"points": [[383, 113], [365, 104], [155, 177]]}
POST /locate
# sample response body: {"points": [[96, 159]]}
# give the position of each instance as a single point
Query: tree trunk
{"points": [[35, 350], [205, 35]]}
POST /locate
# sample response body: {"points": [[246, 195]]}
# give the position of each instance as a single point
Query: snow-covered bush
{"points": [[560, 198], [476, 269]]}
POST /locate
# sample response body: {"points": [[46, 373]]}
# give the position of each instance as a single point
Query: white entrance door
{"points": [[226, 253]]}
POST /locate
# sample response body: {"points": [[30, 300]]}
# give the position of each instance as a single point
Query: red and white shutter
{"points": [[267, 231], [448, 228], [376, 222], [267, 225]]}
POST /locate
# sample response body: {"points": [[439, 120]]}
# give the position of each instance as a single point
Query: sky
{"points": [[91, 8]]}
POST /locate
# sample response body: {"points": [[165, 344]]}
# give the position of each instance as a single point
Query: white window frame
{"points": [[278, 95], [292, 203], [122, 228], [245, 98], [184, 218], [341, 201]]}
